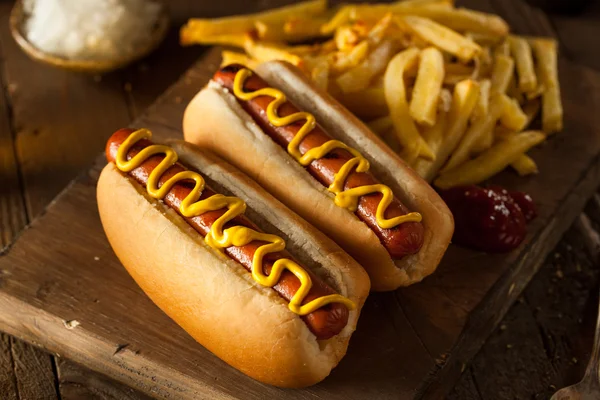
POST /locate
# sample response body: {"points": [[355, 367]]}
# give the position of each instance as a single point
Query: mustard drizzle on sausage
{"points": [[219, 238], [343, 198]]}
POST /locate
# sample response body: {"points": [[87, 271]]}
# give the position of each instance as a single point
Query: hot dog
{"points": [[318, 159], [402, 240], [143, 178]]}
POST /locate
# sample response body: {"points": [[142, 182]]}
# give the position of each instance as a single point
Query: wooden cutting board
{"points": [[62, 288]]}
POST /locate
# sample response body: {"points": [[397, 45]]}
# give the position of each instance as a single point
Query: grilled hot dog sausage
{"points": [[399, 241], [324, 322]]}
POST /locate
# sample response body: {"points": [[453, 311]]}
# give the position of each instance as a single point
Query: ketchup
{"points": [[490, 219]]}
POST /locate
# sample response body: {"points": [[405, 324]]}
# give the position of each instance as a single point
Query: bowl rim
{"points": [[17, 16]]}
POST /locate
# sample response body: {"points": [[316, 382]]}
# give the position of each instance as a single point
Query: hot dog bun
{"points": [[215, 120], [210, 295]]}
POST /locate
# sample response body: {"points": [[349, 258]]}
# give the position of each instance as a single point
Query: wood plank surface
{"points": [[545, 340], [434, 324]]}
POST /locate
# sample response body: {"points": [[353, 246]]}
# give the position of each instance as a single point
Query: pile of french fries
{"points": [[449, 89]]}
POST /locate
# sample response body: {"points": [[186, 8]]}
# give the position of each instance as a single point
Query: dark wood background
{"points": [[54, 123]]}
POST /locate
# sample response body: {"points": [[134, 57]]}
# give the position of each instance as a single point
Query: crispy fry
{"points": [[502, 133], [531, 110], [514, 91], [340, 18], [502, 49], [345, 37], [232, 57], [458, 19], [381, 125], [262, 52], [297, 29], [547, 64], [514, 118], [492, 161], [434, 135], [197, 29], [359, 77], [476, 134], [502, 73], [445, 101], [234, 39], [270, 32], [524, 165], [395, 94], [344, 60], [442, 37], [367, 104], [521, 51], [320, 74], [462, 20], [483, 102], [484, 39], [463, 102], [425, 95], [485, 141]]}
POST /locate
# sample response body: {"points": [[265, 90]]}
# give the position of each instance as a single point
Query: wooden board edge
{"points": [[481, 323], [67, 339]]}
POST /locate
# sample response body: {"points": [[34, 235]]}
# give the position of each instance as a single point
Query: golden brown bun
{"points": [[213, 297], [216, 121]]}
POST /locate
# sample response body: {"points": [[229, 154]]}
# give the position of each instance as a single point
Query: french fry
{"points": [[425, 95], [552, 111], [524, 165], [455, 72], [344, 60], [379, 31], [234, 39], [502, 133], [476, 134], [345, 37], [367, 104], [381, 125], [359, 77], [514, 118], [320, 74], [531, 110], [263, 52], [502, 73], [463, 20], [464, 99], [502, 49], [445, 101], [492, 161], [434, 135], [485, 141], [395, 94], [297, 29], [269, 32], [340, 18], [232, 57], [196, 29], [458, 19], [514, 91], [484, 39], [521, 51], [442, 37], [483, 102]]}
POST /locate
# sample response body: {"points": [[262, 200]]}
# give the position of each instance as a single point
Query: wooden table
{"points": [[53, 124]]}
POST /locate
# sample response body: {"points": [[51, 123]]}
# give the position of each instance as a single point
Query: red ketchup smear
{"points": [[490, 219]]}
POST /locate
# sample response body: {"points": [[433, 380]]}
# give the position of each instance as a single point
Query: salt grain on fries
{"points": [[449, 89]]}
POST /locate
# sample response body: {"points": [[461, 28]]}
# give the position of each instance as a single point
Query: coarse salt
{"points": [[90, 29]]}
